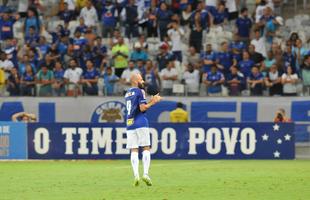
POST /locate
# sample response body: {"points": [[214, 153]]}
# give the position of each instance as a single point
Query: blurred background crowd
{"points": [[181, 47]]}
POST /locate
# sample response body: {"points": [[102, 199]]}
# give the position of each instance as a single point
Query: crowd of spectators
{"points": [[91, 47]]}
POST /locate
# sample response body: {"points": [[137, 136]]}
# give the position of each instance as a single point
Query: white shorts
{"points": [[139, 137]]}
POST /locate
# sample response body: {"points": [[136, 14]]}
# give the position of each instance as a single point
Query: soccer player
{"points": [[138, 134]]}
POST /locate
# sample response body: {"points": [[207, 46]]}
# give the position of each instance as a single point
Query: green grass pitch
{"points": [[172, 179]]}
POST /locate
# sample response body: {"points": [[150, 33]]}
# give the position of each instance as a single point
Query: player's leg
{"points": [[132, 144], [145, 142]]}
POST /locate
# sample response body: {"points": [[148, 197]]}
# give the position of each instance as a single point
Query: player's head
{"points": [[137, 81], [180, 105]]}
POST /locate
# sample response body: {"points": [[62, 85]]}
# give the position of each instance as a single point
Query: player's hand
{"points": [[156, 98]]}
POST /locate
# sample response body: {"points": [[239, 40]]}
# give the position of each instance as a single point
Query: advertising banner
{"points": [[13, 140], [169, 141]]}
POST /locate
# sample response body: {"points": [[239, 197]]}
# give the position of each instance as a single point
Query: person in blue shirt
{"points": [[138, 134], [32, 37], [151, 75], [27, 83], [89, 79], [208, 58], [141, 67], [220, 14], [289, 58], [110, 80], [224, 58], [256, 81], [99, 51], [109, 19], [43, 46], [163, 19], [59, 84], [271, 27], [32, 20], [131, 19], [82, 28], [11, 49], [6, 25], [78, 46], [246, 64], [138, 53], [66, 15], [235, 81], [23, 64], [244, 25], [214, 81]]}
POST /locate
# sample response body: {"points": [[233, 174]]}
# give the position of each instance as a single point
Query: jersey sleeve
{"points": [[141, 97]]}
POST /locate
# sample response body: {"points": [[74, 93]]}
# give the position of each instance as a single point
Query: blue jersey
{"points": [[135, 118]]}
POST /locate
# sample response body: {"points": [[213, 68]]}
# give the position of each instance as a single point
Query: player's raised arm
{"points": [[155, 99]]}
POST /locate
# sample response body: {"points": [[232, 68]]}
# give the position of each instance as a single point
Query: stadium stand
{"points": [[183, 47]]}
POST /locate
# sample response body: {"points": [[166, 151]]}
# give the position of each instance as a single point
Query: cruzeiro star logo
{"points": [[281, 138]]}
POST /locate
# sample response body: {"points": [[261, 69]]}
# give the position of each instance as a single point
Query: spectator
{"points": [[125, 78], [273, 81], [82, 28], [13, 81], [110, 80], [259, 43], [89, 79], [77, 46], [72, 77], [256, 81], [300, 51], [100, 52], [108, 18], [269, 61], [289, 82], [120, 53], [175, 34], [168, 76], [179, 115], [244, 25], [6, 25], [246, 64], [138, 53], [89, 14], [214, 81], [193, 58], [289, 58], [151, 75], [66, 15], [254, 55], [200, 20], [224, 58], [163, 19], [130, 15], [141, 68], [32, 37], [305, 71], [220, 15], [208, 58], [28, 82], [271, 28], [45, 79], [5, 64], [32, 20], [163, 57], [235, 81], [59, 84], [191, 78]]}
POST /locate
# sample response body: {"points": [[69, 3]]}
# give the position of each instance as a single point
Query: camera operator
{"points": [[281, 117]]}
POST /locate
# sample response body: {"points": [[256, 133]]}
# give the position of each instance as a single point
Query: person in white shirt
{"points": [[175, 34], [289, 82], [71, 4], [231, 6], [89, 14], [191, 79], [169, 76], [259, 43], [127, 73], [5, 64], [72, 76]]}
